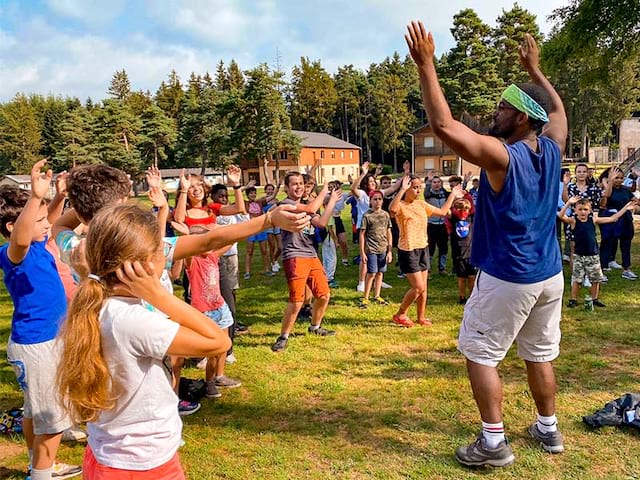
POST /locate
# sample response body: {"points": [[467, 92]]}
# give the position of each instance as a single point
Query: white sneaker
{"points": [[629, 275], [565, 258], [73, 434], [586, 283], [605, 279], [202, 364], [275, 267], [360, 287], [230, 359], [385, 285], [615, 265]]}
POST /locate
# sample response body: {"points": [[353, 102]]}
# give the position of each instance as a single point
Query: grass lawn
{"points": [[380, 401]]}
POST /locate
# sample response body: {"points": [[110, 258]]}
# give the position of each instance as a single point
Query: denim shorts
{"points": [[222, 316], [376, 262]]}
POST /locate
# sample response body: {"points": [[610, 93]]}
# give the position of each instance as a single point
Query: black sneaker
{"points": [[241, 329], [280, 345], [550, 442], [323, 332], [572, 303], [477, 454], [305, 313], [598, 303], [462, 300]]}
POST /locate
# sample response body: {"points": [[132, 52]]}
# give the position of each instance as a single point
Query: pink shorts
{"points": [[92, 470]]}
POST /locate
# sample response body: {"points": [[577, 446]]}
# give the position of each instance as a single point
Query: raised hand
{"points": [[457, 191], [420, 42], [365, 167], [185, 181], [336, 195], [406, 182], [234, 174], [430, 175], [379, 169], [288, 218], [573, 200], [566, 178], [468, 177], [529, 53], [154, 178], [40, 182]]}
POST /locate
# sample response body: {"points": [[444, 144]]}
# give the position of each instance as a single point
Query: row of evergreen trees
{"points": [[236, 114]]}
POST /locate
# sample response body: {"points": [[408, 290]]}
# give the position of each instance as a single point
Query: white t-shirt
{"points": [[143, 430], [230, 220], [362, 205]]}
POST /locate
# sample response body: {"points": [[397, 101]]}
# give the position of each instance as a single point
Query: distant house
{"points": [[432, 154], [334, 159], [24, 182]]}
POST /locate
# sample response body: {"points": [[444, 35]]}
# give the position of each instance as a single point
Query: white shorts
{"points": [[499, 313], [35, 366]]}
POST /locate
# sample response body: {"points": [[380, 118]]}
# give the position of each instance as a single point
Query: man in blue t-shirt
{"points": [[518, 293]]}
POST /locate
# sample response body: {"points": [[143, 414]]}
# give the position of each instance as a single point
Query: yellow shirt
{"points": [[412, 222]]}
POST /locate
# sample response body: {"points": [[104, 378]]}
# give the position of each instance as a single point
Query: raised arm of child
{"points": [[613, 218], [355, 186], [56, 205], [23, 229], [456, 193], [562, 214], [314, 205], [322, 220], [238, 207]]}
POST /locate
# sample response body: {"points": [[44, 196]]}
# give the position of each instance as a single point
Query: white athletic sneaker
{"points": [[202, 364], [360, 287], [275, 267], [629, 275], [385, 285], [615, 265]]}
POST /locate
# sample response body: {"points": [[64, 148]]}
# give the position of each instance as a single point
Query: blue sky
{"points": [[72, 47]]}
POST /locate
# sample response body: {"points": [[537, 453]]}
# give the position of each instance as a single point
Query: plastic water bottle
{"points": [[588, 303]]}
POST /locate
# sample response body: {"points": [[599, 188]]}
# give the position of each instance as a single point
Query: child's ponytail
{"points": [[84, 380]]}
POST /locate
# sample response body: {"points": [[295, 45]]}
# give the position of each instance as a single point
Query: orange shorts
{"points": [[92, 470], [300, 272]]}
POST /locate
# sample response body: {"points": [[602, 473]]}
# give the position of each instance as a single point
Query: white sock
{"points": [[313, 328], [493, 433], [547, 424], [44, 474], [284, 335]]}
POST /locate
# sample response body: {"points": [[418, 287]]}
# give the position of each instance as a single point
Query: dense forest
{"points": [[214, 118]]}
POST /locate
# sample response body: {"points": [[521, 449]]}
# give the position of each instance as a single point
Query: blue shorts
{"points": [[273, 231], [376, 262], [258, 237], [222, 316]]}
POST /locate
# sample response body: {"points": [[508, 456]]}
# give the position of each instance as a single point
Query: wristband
{"points": [[182, 191], [237, 187]]}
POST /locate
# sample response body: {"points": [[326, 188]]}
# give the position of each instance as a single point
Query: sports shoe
{"points": [[345, 262], [380, 301], [478, 454], [323, 332], [629, 275], [231, 359], [605, 279], [226, 382], [606, 269], [202, 364], [385, 285], [73, 434], [401, 275], [566, 258], [275, 267], [586, 283], [616, 265], [402, 320], [462, 300], [333, 283], [280, 345], [364, 303], [269, 273], [63, 470], [212, 391], [305, 312], [572, 303], [360, 287], [187, 408], [425, 322], [550, 442], [241, 329], [598, 303], [247, 275]]}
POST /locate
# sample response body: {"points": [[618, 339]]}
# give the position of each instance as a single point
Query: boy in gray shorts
{"points": [[39, 301]]}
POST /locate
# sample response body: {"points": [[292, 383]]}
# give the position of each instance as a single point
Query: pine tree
{"points": [[170, 94], [75, 133], [235, 77], [115, 136], [351, 85], [157, 134], [120, 87], [313, 97], [20, 135]]}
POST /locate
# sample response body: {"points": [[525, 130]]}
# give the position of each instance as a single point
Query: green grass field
{"points": [[380, 401]]}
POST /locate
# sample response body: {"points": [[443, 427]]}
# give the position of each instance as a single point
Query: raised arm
{"points": [[322, 220], [314, 205], [556, 127], [23, 228], [56, 205], [233, 177], [614, 218], [180, 213], [355, 185], [484, 151], [443, 211], [562, 214], [404, 186]]}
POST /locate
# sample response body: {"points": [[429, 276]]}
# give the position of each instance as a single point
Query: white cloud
{"points": [[88, 11]]}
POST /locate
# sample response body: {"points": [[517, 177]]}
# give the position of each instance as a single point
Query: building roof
{"points": [[322, 140], [175, 172], [20, 179]]}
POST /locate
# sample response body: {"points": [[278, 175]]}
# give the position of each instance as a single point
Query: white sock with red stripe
{"points": [[493, 433], [547, 424]]}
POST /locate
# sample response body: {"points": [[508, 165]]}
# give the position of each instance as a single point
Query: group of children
{"points": [[95, 318]]}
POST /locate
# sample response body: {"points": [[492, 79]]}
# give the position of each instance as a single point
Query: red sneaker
{"points": [[402, 320], [425, 322]]}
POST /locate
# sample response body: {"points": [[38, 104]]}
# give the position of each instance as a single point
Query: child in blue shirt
{"points": [[32, 280]]}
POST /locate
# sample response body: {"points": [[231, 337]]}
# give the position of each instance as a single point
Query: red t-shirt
{"points": [[204, 281], [213, 209]]}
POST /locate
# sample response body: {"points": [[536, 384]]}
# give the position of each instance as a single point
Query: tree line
{"points": [[212, 119]]}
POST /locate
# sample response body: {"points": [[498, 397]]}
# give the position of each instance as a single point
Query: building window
{"points": [[428, 142], [429, 164], [342, 154], [283, 155], [351, 155], [333, 173], [344, 171], [321, 153], [448, 167], [333, 154]]}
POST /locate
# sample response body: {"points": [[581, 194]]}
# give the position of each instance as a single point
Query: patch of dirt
{"points": [[9, 450]]}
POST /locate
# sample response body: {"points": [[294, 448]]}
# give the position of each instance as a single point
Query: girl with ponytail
{"points": [[113, 372]]}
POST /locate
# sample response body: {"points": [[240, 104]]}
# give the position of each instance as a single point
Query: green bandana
{"points": [[524, 103]]}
